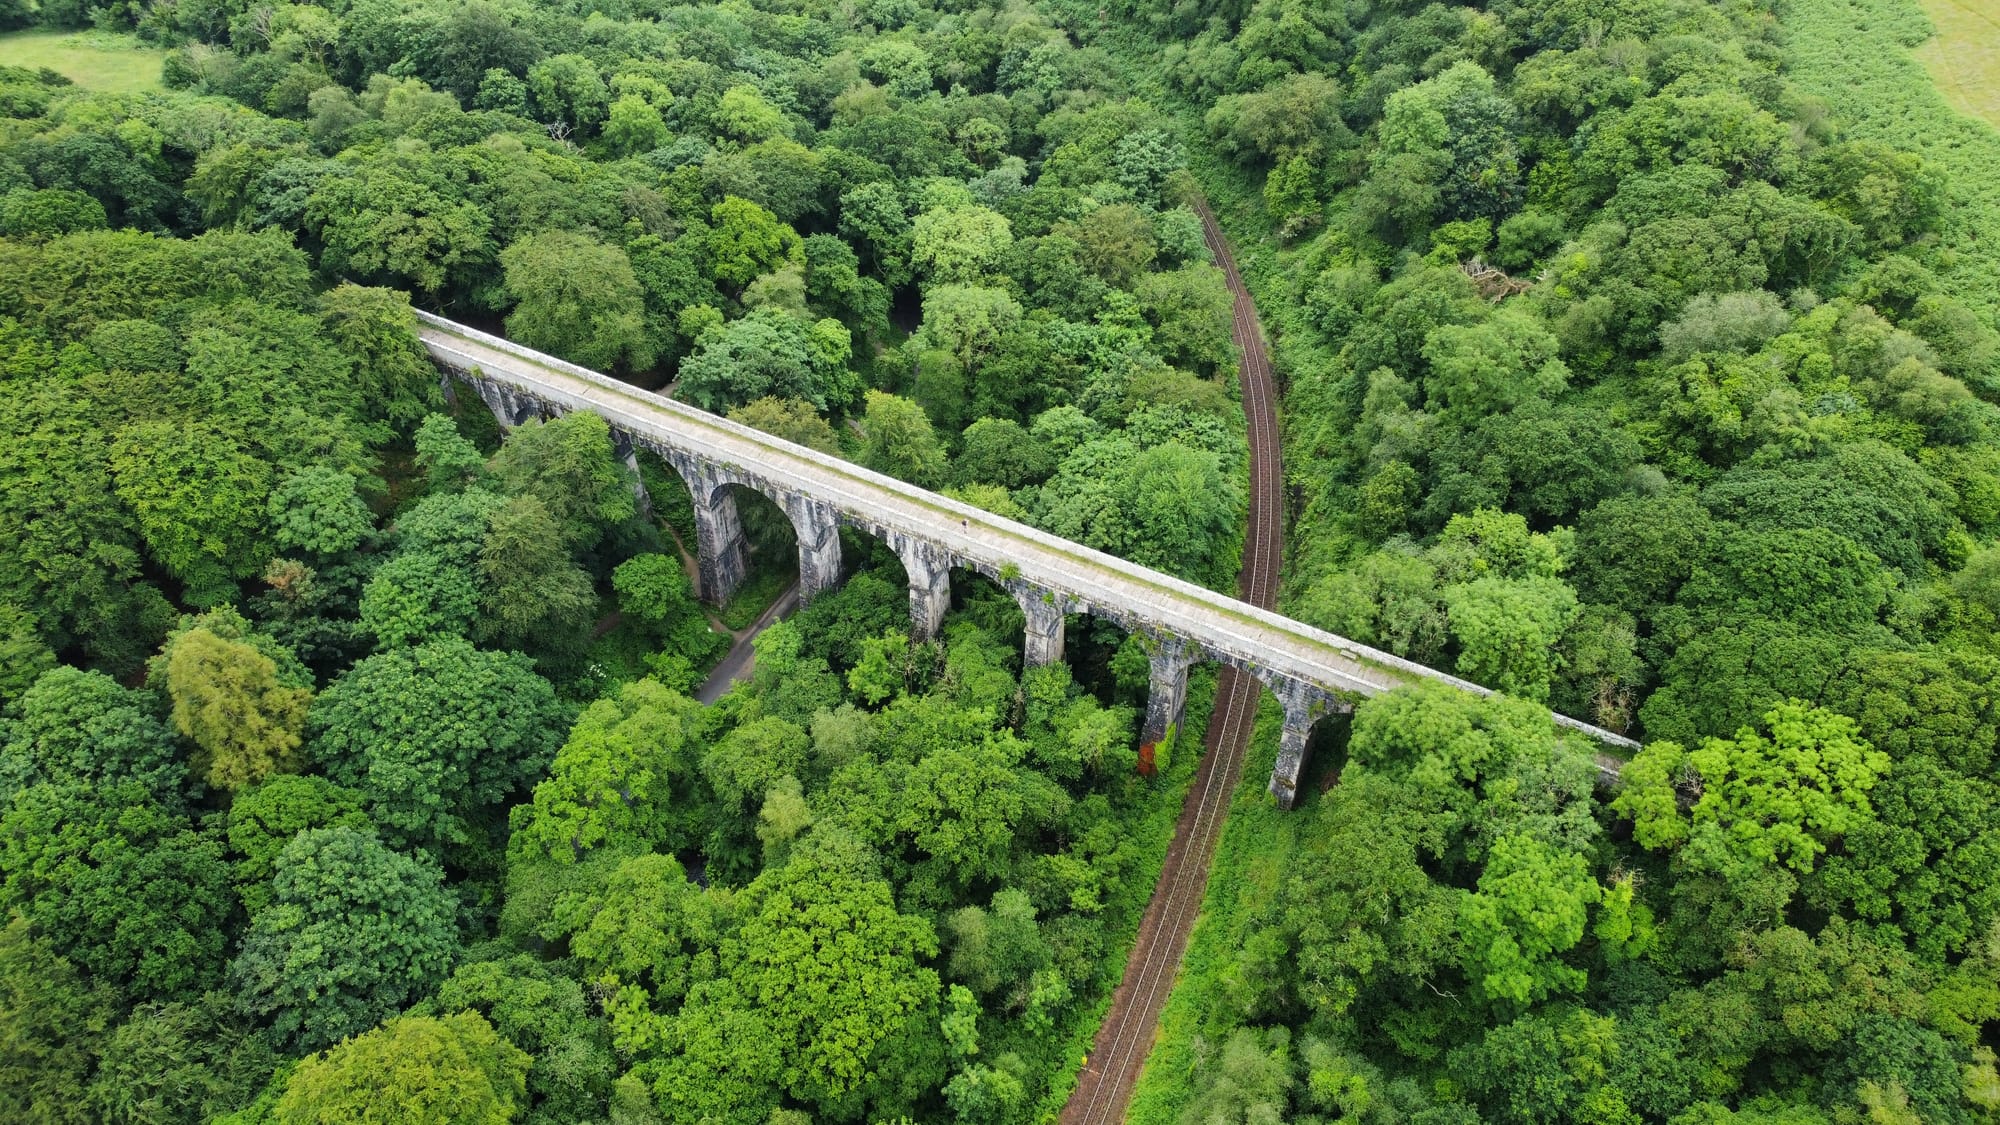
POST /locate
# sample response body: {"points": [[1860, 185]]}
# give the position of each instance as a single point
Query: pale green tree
{"points": [[423, 1070], [613, 781], [745, 241], [1507, 629], [792, 419], [897, 439], [743, 113], [1780, 794], [959, 246], [634, 126], [578, 298], [228, 698], [1531, 907]]}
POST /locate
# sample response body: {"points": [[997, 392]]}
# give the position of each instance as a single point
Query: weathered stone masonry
{"points": [[1311, 672]]}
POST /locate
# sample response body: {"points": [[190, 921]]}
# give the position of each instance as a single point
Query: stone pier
{"points": [[1044, 640], [1166, 693]]}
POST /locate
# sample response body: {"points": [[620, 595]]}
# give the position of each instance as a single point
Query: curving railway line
{"points": [[1126, 1036]]}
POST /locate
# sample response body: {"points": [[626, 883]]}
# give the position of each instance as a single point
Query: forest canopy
{"points": [[351, 758]]}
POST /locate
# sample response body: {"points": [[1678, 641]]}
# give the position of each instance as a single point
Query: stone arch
{"points": [[722, 546], [1045, 615], [815, 531]]}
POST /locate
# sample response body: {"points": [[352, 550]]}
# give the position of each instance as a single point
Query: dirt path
{"points": [[1122, 1043]]}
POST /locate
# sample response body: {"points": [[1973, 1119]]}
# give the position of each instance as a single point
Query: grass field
{"points": [[1859, 55], [1964, 59], [113, 63]]}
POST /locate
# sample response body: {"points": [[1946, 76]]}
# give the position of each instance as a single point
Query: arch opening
{"points": [[978, 600], [770, 550]]}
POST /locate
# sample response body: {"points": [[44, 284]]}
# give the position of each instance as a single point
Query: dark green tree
{"points": [[354, 932]]}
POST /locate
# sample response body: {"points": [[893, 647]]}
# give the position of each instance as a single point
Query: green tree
{"points": [[568, 88], [75, 546], [317, 511], [436, 736], [78, 726], [873, 217], [968, 321], [447, 458], [228, 698], [769, 354], [1779, 797], [634, 126], [1169, 507], [897, 439], [179, 1061], [996, 949], [657, 596], [122, 885], [1530, 907], [200, 499], [1291, 194], [45, 214], [418, 596], [1557, 1065], [1362, 916], [265, 817], [568, 465], [649, 936], [1002, 452], [1115, 242], [743, 113], [826, 1015], [24, 656], [542, 1009], [53, 1023], [453, 1070], [353, 933], [1250, 1080], [1494, 366], [1463, 129], [377, 330], [377, 222], [534, 595], [744, 764], [1190, 310], [578, 298]]}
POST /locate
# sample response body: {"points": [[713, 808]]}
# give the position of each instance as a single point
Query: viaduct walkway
{"points": [[1311, 672]]}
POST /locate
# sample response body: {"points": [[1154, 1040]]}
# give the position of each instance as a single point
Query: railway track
{"points": [[1126, 1037]]}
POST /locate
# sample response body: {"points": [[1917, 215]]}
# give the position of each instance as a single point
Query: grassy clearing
{"points": [[1242, 884], [1964, 58], [1858, 56], [116, 64]]}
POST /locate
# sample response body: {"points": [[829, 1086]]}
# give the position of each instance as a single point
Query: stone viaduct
{"points": [[1311, 672]]}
